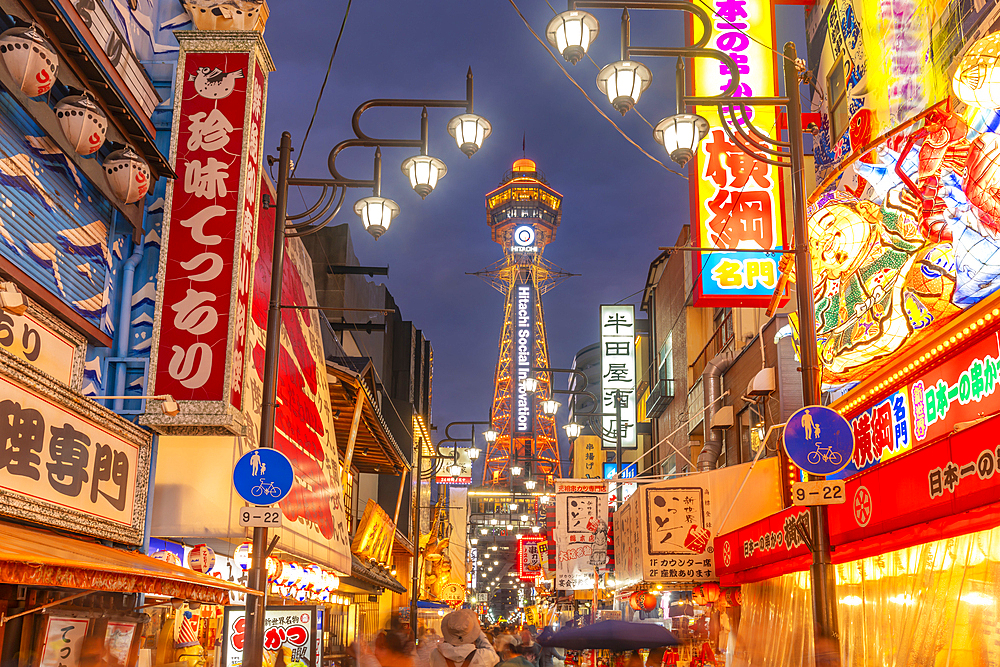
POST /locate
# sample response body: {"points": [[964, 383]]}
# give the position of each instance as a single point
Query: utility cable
{"points": [[329, 66]]}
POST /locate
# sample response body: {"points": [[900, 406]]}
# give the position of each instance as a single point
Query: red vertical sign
{"points": [[206, 269]]}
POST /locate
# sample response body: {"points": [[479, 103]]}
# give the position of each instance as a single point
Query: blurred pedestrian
{"points": [[531, 650], [463, 643], [394, 648]]}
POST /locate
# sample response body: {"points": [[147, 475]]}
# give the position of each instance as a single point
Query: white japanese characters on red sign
{"points": [[206, 276]]}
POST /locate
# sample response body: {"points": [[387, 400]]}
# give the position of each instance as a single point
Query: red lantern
{"points": [[698, 595], [712, 592], [647, 602], [633, 600], [734, 597]]}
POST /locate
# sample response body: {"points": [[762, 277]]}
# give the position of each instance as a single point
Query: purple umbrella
{"points": [[612, 636]]}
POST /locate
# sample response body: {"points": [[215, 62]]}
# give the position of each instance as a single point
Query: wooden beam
{"points": [[395, 517], [353, 437]]}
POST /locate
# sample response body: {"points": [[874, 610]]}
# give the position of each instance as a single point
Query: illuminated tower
{"points": [[523, 214]]}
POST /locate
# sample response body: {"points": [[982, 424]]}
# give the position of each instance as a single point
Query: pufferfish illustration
{"points": [[214, 83]]}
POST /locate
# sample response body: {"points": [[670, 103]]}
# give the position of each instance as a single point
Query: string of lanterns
{"points": [[33, 63]]}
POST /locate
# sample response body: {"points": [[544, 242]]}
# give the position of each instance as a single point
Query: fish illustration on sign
{"points": [[215, 84]]}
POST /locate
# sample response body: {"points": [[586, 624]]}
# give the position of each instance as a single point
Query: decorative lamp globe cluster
{"points": [[623, 82], [424, 171]]}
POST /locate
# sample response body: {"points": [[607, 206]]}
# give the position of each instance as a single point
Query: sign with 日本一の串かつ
{"points": [[205, 278], [736, 199]]}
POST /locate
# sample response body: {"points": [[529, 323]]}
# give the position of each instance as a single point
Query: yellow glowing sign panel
{"points": [[375, 534], [587, 457], [736, 200]]}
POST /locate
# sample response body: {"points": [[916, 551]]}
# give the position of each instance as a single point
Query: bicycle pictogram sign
{"points": [[818, 440]]}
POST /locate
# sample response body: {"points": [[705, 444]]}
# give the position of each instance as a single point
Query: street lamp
{"points": [[376, 214], [490, 436], [472, 453], [624, 82], [469, 131], [550, 407], [424, 172], [530, 384], [680, 135], [571, 34], [573, 430], [515, 470], [529, 484]]}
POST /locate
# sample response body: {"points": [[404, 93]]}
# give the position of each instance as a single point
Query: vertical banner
{"points": [[618, 374], [63, 641], [529, 557], [587, 457], [289, 634], [736, 200], [205, 274], [581, 532], [523, 314]]}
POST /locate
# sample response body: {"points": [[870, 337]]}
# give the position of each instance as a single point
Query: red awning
{"points": [[36, 557]]}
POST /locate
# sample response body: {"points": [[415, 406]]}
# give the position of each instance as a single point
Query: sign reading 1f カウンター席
{"points": [[523, 313], [618, 374]]}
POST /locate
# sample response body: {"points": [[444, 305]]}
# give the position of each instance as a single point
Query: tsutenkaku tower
{"points": [[523, 214]]}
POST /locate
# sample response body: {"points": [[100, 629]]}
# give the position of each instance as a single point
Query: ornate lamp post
{"points": [[376, 213], [680, 135]]}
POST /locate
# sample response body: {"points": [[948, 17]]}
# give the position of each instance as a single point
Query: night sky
{"points": [[618, 206]]}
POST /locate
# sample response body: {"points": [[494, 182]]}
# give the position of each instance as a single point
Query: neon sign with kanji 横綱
{"points": [[736, 200]]}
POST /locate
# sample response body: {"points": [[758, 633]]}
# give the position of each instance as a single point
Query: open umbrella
{"points": [[612, 636]]}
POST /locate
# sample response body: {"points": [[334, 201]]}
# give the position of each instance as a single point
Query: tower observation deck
{"points": [[523, 214]]}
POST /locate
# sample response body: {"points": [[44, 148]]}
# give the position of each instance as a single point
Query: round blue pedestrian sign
{"points": [[819, 440], [263, 476]]}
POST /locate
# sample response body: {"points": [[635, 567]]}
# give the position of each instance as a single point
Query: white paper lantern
{"points": [[201, 559], [128, 175], [166, 557], [243, 555], [30, 59], [83, 123]]}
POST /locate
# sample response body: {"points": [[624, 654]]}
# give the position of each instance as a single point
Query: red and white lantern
{"points": [[30, 59], [166, 557], [128, 175], [201, 559], [243, 556], [83, 123]]}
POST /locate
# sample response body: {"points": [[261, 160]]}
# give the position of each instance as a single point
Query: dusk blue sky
{"points": [[618, 206]]}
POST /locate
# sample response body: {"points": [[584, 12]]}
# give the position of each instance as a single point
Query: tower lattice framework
{"points": [[524, 213]]}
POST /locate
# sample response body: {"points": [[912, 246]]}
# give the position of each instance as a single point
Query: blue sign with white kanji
{"points": [[263, 476], [819, 440]]}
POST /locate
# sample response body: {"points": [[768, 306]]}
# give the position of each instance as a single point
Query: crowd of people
{"points": [[462, 643]]}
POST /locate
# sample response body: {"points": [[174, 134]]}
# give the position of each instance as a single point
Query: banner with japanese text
{"points": [[667, 528], [289, 636], [587, 457], [68, 462], [736, 200], [618, 376], [205, 277], [63, 641], [930, 406], [581, 532]]}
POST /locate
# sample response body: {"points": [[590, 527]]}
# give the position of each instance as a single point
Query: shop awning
{"points": [[375, 450], [365, 577], [36, 557]]}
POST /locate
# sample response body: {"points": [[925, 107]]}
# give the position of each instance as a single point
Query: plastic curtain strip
{"points": [[936, 604]]}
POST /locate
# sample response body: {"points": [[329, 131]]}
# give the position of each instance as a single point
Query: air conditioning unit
{"points": [[762, 383], [723, 417]]}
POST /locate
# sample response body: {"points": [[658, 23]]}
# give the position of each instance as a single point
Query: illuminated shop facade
{"points": [[906, 259]]}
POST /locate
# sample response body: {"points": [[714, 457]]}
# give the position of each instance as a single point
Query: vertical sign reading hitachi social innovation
{"points": [[524, 351]]}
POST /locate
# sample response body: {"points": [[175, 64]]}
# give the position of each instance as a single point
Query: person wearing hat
{"points": [[464, 644]]}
